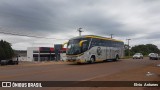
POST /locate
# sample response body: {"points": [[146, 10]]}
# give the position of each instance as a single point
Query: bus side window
{"points": [[95, 42], [92, 44], [108, 43], [84, 47], [102, 43]]}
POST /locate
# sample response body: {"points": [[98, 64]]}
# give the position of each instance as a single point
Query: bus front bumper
{"points": [[76, 61]]}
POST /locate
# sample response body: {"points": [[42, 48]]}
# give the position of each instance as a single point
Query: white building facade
{"points": [[44, 54], [30, 55]]}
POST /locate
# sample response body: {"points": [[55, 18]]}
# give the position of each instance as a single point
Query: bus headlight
{"points": [[78, 58]]}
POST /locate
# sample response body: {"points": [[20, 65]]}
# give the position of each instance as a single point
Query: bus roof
{"points": [[97, 37]]}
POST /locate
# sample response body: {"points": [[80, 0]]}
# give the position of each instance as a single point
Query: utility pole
{"points": [[111, 35], [128, 47], [80, 31]]}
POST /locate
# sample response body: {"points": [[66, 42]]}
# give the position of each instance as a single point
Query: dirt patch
{"points": [[147, 73]]}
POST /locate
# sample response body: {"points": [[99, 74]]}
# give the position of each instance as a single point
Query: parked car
{"points": [[3, 62], [153, 56], [9, 62], [138, 56], [150, 54], [13, 61]]}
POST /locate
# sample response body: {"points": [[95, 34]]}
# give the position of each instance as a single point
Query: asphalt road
{"points": [[69, 72]]}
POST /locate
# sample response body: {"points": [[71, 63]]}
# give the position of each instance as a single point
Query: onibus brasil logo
{"points": [[21, 84]]}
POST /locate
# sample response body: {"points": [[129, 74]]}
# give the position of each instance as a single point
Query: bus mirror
{"points": [[64, 44], [81, 42]]}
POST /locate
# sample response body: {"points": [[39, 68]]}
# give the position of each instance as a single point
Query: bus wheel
{"points": [[92, 59]]}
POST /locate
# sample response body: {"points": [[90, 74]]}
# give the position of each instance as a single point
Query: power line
{"points": [[15, 34]]}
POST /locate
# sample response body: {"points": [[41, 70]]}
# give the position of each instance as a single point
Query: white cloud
{"points": [[21, 45], [135, 19]]}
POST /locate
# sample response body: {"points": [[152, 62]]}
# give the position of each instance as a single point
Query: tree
{"points": [[152, 48], [126, 47], [145, 49], [6, 51], [2, 54]]}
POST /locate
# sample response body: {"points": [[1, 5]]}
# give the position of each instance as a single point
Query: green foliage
{"points": [[126, 50], [144, 49], [6, 51]]}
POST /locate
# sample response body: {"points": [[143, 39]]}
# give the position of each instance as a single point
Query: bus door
{"points": [[108, 52], [111, 52], [103, 56]]}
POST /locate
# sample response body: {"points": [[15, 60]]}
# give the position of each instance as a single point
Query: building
{"points": [[22, 55], [45, 53]]}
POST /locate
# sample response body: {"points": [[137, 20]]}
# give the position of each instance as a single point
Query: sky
{"points": [[138, 20]]}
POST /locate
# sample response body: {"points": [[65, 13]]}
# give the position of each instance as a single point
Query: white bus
{"points": [[91, 48]]}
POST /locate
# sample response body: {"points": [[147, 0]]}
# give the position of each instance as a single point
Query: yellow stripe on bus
{"points": [[103, 38]]}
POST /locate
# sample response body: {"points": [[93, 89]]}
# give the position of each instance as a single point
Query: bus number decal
{"points": [[99, 51]]}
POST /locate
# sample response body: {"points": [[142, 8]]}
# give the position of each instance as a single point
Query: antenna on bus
{"points": [[80, 31]]}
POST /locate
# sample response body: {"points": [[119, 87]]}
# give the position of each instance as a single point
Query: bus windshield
{"points": [[73, 47]]}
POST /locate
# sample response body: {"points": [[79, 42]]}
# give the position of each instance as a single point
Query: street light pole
{"points": [[111, 35], [80, 31], [128, 47]]}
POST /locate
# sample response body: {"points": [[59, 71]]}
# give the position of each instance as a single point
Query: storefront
{"points": [[44, 53]]}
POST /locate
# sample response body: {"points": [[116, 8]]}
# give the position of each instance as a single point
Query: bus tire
{"points": [[16, 62], [92, 59]]}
